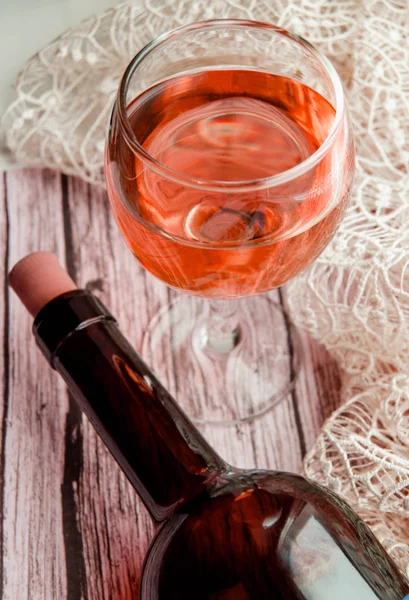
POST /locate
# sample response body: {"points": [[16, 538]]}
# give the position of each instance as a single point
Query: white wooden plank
{"points": [[264, 442], [33, 546], [115, 526], [317, 391], [318, 388]]}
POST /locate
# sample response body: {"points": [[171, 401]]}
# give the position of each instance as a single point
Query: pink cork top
{"points": [[37, 279]]}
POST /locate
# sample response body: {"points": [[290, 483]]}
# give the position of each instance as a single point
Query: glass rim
{"points": [[223, 186]]}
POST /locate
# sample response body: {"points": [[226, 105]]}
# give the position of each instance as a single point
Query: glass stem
{"points": [[220, 332]]}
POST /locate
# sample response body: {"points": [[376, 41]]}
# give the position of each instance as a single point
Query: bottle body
{"points": [[269, 535]]}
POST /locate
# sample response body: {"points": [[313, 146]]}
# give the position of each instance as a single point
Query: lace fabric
{"points": [[355, 298]]}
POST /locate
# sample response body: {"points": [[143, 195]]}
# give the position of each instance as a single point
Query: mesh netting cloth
{"points": [[355, 298]]}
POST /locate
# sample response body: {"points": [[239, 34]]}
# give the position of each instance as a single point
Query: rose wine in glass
{"points": [[228, 126], [229, 164]]}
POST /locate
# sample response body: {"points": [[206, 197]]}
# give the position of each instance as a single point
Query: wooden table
{"points": [[71, 526]]}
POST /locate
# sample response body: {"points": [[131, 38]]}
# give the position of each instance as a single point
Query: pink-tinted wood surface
{"points": [[71, 527]]}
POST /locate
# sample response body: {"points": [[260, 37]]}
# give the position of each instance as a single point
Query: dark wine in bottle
{"points": [[224, 533]]}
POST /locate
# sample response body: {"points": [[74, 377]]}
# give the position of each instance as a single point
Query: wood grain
{"points": [[71, 526]]}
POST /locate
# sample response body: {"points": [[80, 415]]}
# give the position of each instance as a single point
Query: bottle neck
{"points": [[163, 455]]}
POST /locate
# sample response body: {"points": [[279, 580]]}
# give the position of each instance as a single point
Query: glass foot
{"points": [[224, 366]]}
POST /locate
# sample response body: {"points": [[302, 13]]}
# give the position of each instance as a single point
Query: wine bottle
{"points": [[224, 533]]}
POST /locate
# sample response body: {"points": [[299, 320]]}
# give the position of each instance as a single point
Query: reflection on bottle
{"points": [[317, 565]]}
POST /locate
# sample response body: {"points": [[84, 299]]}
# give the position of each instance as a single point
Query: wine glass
{"points": [[229, 163]]}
